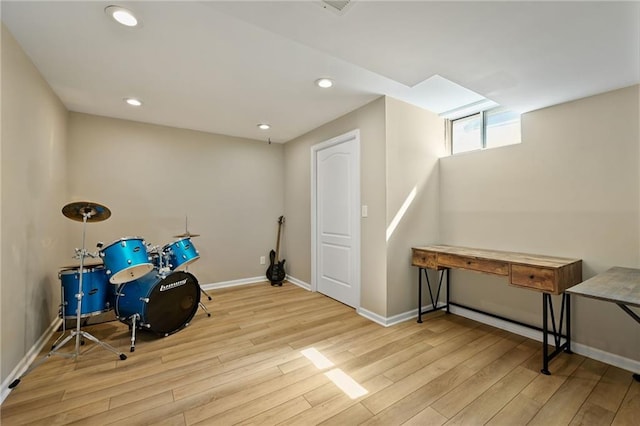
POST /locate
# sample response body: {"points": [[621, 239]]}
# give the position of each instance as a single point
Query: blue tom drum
{"points": [[180, 253], [126, 260]]}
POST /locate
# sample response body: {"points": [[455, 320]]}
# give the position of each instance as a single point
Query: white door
{"points": [[336, 218]]}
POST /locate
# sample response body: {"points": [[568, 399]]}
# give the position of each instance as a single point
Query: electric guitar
{"points": [[275, 271]]}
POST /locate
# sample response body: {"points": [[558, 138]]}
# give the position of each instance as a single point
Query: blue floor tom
{"points": [[95, 286]]}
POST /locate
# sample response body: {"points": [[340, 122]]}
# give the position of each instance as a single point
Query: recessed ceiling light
{"points": [[133, 101], [325, 83], [122, 16], [264, 126]]}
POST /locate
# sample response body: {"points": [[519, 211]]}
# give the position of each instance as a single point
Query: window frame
{"points": [[483, 131]]}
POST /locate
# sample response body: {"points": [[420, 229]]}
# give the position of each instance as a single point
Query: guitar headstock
{"points": [[280, 220]]}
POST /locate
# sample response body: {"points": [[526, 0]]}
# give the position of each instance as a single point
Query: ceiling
{"points": [[225, 66]]}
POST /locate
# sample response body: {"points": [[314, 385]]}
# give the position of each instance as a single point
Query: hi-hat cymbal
{"points": [[187, 235], [93, 211]]}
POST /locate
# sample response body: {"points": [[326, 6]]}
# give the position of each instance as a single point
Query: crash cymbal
{"points": [[186, 235], [94, 211]]}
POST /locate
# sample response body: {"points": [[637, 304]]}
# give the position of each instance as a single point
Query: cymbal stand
{"points": [[77, 333], [204, 308], [163, 263]]}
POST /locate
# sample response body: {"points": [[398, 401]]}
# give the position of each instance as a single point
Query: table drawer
{"points": [[542, 279], [424, 259], [473, 264]]}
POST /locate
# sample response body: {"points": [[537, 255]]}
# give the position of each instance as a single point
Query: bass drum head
{"points": [[173, 302]]}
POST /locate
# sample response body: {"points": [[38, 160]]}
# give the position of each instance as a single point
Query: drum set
{"points": [[149, 287]]}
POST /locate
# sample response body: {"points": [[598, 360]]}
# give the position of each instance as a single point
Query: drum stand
{"points": [[133, 318], [86, 212], [204, 308]]}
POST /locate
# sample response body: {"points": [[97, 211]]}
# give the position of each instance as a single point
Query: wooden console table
{"points": [[546, 274], [618, 285]]}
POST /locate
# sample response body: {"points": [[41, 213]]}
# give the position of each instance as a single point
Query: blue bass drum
{"points": [[180, 253], [126, 260], [164, 305], [95, 286]]}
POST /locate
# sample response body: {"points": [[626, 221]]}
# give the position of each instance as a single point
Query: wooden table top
{"points": [[617, 285], [503, 256]]}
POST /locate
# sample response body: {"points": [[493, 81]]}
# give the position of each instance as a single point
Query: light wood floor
{"points": [[244, 366]]}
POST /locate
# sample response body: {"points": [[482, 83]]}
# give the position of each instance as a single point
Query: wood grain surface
{"points": [[244, 365]]}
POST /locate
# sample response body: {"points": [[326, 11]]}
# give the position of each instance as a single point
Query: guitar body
{"points": [[275, 271]]}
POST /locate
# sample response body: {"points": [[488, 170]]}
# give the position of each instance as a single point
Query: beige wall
{"points": [[34, 241], [414, 142], [400, 146], [570, 189], [152, 177], [297, 159]]}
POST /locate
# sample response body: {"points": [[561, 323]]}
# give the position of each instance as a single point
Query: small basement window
{"points": [[485, 129]]}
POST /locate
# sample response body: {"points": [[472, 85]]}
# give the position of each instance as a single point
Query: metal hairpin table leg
{"points": [[434, 301], [547, 309]]}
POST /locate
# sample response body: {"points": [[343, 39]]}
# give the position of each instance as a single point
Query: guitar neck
{"points": [[280, 222], [278, 243]]}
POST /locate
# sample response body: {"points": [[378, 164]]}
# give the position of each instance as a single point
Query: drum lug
{"points": [[144, 299]]}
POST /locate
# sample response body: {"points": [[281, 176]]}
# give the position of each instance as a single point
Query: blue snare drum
{"points": [[180, 253], [126, 260], [95, 286], [164, 304]]}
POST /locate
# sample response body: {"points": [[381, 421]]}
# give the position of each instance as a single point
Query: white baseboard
{"points": [[253, 280], [498, 323], [373, 317], [606, 357], [396, 319], [579, 348], [233, 283], [30, 356], [299, 283]]}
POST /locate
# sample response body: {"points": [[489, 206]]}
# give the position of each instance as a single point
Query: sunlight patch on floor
{"points": [[320, 361], [341, 379]]}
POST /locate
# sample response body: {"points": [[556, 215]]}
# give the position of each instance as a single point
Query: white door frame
{"points": [[353, 135]]}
